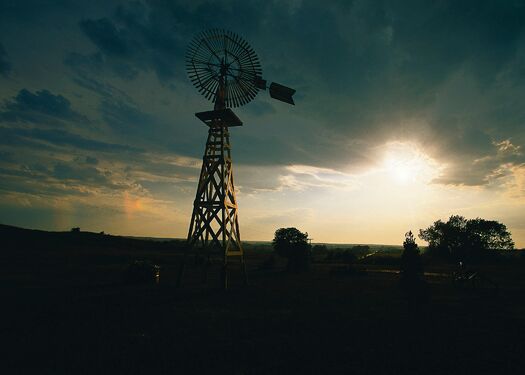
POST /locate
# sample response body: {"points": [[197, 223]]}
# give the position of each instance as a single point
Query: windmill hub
{"points": [[226, 70]]}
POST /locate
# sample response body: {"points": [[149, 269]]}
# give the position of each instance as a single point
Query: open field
{"points": [[66, 310]]}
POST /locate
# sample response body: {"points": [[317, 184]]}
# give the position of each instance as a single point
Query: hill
{"points": [[15, 238]]}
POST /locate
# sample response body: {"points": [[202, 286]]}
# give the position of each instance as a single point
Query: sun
{"points": [[404, 164], [401, 171]]}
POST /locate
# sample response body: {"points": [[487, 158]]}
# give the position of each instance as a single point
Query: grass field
{"points": [[66, 310]]}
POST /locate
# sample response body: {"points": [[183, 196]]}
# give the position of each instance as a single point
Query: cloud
{"points": [[103, 89], [122, 116], [39, 107], [136, 38], [5, 65], [130, 123], [91, 160], [6, 156], [107, 37], [96, 63], [87, 175], [493, 169], [448, 77], [59, 179], [34, 137], [29, 9]]}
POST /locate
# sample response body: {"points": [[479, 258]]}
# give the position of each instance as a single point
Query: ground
{"points": [[66, 310]]}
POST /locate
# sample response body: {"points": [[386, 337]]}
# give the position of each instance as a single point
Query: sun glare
{"points": [[400, 171], [405, 164]]}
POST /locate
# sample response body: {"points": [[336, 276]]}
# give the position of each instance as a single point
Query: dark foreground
{"points": [[66, 311]]}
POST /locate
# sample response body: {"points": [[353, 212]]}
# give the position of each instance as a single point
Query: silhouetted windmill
{"points": [[226, 70]]}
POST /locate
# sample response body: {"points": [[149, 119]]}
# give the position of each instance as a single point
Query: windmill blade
{"points": [[282, 93], [218, 57]]}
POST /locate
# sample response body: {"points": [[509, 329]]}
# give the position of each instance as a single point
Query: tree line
{"points": [[457, 239], [460, 238]]}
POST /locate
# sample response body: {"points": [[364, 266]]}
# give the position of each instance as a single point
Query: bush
{"points": [[141, 271]]}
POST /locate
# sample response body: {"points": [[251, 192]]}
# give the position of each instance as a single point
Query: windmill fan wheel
{"points": [[220, 58]]}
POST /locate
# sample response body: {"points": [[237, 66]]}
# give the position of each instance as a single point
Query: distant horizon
{"points": [[180, 238], [420, 243]]}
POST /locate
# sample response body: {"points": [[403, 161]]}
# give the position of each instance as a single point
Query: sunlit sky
{"points": [[406, 113]]}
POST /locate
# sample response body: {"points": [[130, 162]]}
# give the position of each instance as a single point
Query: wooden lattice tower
{"points": [[226, 70], [214, 226], [214, 220]]}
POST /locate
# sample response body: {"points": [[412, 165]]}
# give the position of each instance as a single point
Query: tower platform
{"points": [[219, 117]]}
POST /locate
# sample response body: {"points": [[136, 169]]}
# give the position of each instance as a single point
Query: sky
{"points": [[406, 112]]}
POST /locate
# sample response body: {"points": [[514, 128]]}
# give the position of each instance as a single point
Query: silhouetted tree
{"points": [[411, 266], [292, 244], [460, 238], [411, 275]]}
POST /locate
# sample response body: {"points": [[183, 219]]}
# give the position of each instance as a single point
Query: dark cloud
{"points": [[91, 160], [123, 117], [5, 65], [6, 156], [163, 169], [59, 179], [132, 125], [103, 89], [498, 163], [86, 175], [87, 160], [129, 123], [448, 76], [96, 63], [31, 8], [361, 68], [104, 34], [136, 37], [41, 106], [34, 136]]}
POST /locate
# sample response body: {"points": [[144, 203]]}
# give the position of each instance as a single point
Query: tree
{"points": [[411, 266], [411, 275], [292, 244], [460, 238]]}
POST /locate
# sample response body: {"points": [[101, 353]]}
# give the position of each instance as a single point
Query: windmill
{"points": [[226, 70]]}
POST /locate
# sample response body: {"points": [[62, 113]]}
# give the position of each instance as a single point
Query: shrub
{"points": [[141, 271]]}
